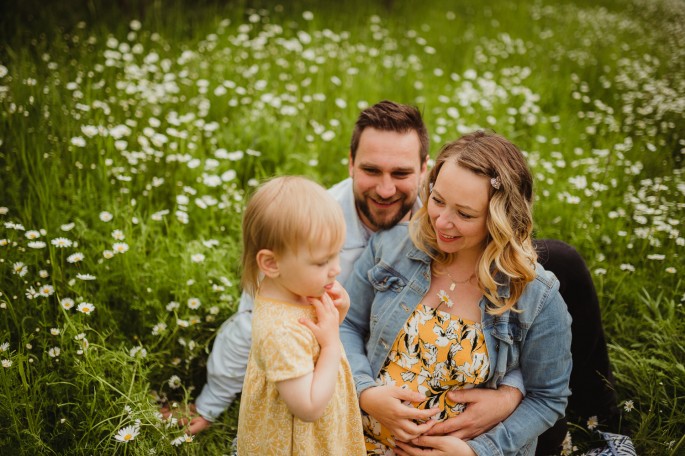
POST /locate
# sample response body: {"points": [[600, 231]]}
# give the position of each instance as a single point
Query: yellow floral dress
{"points": [[434, 353], [284, 349]]}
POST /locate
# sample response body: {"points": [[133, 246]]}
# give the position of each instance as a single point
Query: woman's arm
{"points": [[385, 403], [545, 362]]}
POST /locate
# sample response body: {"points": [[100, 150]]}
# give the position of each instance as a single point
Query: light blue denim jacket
{"points": [[390, 279]]}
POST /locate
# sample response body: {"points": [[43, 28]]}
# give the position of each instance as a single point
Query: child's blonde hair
{"points": [[283, 214]]}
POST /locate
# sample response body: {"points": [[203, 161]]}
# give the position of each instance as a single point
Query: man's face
{"points": [[386, 174]]}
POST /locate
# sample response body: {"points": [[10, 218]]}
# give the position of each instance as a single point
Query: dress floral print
{"points": [[434, 353]]}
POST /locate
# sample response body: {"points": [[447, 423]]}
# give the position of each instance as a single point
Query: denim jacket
{"points": [[388, 282]]}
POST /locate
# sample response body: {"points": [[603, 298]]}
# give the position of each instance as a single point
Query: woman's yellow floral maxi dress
{"points": [[434, 353]]}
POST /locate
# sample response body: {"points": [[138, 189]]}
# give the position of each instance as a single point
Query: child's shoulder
{"points": [[271, 317]]}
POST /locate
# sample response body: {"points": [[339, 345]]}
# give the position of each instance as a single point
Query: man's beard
{"points": [[363, 207]]}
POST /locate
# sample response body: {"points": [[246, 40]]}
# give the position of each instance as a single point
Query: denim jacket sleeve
{"points": [[545, 364], [354, 331]]}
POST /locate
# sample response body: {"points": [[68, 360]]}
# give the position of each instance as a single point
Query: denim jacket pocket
{"points": [[507, 336], [384, 278]]}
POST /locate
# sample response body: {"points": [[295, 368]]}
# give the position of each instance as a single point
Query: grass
{"points": [[148, 123]]}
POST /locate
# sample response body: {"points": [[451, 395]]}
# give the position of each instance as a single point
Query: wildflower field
{"points": [[131, 133]]}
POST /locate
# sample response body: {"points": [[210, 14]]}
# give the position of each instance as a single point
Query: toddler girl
{"points": [[298, 396]]}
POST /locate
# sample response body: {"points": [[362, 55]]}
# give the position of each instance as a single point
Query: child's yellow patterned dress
{"points": [[434, 353]]}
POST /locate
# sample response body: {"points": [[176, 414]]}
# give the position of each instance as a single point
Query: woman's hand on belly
{"points": [[386, 404], [438, 445]]}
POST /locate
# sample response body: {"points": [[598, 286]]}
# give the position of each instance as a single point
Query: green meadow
{"points": [[132, 132]]}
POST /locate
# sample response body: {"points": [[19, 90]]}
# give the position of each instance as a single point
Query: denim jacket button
{"points": [[497, 347], [404, 306], [385, 345]]}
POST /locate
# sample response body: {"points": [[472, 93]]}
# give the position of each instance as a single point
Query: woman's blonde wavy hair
{"points": [[508, 250]]}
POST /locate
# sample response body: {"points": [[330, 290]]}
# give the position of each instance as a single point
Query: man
{"points": [[388, 160]]}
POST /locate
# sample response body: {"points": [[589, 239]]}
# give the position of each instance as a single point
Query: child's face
{"points": [[309, 271]]}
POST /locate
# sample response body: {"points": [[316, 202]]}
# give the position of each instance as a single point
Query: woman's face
{"points": [[458, 209]]}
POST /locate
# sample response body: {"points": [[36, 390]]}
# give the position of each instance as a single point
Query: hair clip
{"points": [[496, 182], [430, 188]]}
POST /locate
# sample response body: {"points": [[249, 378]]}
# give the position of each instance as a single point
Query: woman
{"points": [[456, 299]]}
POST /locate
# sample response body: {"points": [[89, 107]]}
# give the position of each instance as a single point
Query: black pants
{"points": [[592, 390]]}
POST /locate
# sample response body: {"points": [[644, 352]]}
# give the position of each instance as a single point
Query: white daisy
{"points": [[67, 226], [78, 141], [194, 303], [174, 382], [120, 247], [108, 254], [46, 290], [6, 363], [75, 257], [20, 269], [32, 234], [106, 216], [66, 303], [118, 235], [592, 422], [83, 343], [159, 328], [31, 293], [43, 274], [185, 438], [54, 352], [210, 243], [36, 244], [197, 258], [55, 331], [61, 242], [85, 276], [4, 347], [444, 298], [138, 351], [127, 434], [86, 307]]}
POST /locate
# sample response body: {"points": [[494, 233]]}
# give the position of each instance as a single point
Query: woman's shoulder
{"points": [[540, 291], [544, 278]]}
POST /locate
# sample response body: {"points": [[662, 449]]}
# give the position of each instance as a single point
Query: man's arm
{"points": [[227, 363], [485, 408]]}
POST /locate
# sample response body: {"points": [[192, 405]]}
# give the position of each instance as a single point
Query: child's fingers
{"points": [[309, 324], [326, 299], [321, 305]]}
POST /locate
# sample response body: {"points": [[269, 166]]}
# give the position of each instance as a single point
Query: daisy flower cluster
{"points": [[157, 141]]}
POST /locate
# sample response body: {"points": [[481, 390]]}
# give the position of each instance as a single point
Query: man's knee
{"points": [[555, 254]]}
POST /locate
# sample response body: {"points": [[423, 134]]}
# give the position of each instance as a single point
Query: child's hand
{"points": [[340, 298], [187, 416], [328, 319], [198, 424]]}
